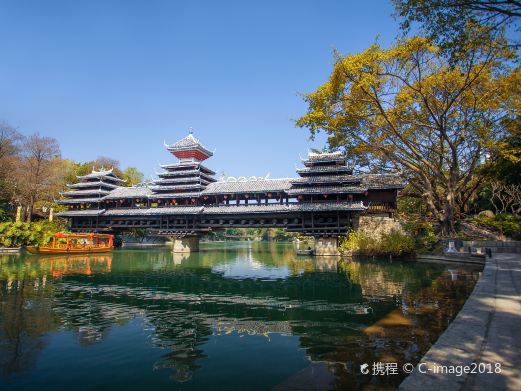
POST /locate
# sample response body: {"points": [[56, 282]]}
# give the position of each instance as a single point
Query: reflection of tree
{"points": [[390, 278], [405, 333], [86, 316], [25, 308], [183, 337]]}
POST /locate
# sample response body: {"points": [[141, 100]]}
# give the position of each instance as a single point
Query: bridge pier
{"points": [[186, 244], [326, 246]]}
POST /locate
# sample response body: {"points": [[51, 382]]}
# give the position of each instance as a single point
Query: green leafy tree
{"points": [[451, 23], [133, 176]]}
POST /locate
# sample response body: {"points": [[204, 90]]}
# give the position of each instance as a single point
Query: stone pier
{"points": [[186, 244], [326, 246]]}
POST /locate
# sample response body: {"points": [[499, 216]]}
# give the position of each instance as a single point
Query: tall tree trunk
{"points": [[30, 210], [448, 214]]}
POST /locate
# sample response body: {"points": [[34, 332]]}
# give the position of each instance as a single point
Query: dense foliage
{"points": [[423, 233], [505, 224], [447, 22], [394, 243], [27, 234]]}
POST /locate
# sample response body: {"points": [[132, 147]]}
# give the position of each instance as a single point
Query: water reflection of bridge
{"points": [[188, 302]]}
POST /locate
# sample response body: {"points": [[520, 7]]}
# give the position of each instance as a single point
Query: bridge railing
{"points": [[385, 207]]}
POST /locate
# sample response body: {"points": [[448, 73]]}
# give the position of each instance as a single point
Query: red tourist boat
{"points": [[75, 244]]}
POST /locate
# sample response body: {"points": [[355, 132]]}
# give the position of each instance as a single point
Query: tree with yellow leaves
{"points": [[411, 108]]}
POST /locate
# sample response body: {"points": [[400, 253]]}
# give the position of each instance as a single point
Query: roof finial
{"points": [[190, 130]]}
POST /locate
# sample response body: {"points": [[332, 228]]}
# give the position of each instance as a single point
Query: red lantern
{"points": [[325, 195], [300, 198], [269, 194], [193, 200], [366, 193], [225, 196], [205, 198], [350, 196], [246, 196]]}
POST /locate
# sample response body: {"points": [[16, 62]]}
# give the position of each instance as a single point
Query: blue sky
{"points": [[116, 78]]}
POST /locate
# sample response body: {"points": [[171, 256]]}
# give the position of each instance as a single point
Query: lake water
{"points": [[235, 316]]}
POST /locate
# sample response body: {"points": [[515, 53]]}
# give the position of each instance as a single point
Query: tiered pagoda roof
{"points": [[186, 178], [189, 148], [326, 173], [91, 189], [323, 159]]}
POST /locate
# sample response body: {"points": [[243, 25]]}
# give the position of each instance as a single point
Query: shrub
{"points": [[393, 243], [505, 223], [425, 238], [486, 214], [27, 234]]}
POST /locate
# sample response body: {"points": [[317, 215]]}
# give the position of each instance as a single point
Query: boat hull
{"points": [[51, 251], [304, 252]]}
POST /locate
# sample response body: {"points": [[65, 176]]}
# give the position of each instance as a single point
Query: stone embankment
{"points": [[487, 330], [481, 246], [10, 250]]}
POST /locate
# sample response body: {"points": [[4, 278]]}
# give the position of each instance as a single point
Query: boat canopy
{"points": [[62, 235]]}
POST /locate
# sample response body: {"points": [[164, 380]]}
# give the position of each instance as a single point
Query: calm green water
{"points": [[234, 316]]}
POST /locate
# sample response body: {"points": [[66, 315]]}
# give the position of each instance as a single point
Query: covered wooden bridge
{"points": [[324, 201]]}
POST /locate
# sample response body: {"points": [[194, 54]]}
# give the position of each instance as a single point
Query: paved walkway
{"points": [[487, 330]]}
